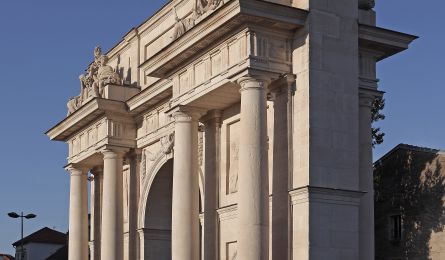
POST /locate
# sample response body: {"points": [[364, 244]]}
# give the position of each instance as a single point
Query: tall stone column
{"points": [[112, 208], [282, 147], [185, 200], [212, 140], [133, 239], [253, 194], [78, 222], [366, 177], [96, 210]]}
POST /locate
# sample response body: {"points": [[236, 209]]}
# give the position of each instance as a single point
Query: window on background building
{"points": [[395, 227]]}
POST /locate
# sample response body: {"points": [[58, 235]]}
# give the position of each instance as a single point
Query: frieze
{"points": [[104, 131]]}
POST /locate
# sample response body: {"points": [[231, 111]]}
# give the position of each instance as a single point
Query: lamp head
{"points": [[30, 216], [13, 215]]}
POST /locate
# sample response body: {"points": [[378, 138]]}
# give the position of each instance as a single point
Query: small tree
{"points": [[376, 115]]}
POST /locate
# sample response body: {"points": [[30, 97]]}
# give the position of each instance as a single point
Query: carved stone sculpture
{"points": [[105, 75], [92, 83], [182, 26], [200, 8], [167, 143]]}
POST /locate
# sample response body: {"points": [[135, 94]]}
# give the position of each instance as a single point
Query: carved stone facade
{"points": [[231, 118]]}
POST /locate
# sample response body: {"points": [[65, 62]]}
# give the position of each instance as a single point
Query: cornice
{"points": [[383, 42]]}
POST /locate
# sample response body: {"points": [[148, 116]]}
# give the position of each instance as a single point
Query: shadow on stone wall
{"points": [[412, 184]]}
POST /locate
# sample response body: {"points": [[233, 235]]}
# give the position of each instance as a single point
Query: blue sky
{"points": [[46, 44]]}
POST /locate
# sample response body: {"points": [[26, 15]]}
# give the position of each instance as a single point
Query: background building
{"points": [[409, 208], [40, 244]]}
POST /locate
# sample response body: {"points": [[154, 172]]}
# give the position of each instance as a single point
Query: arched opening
{"points": [[158, 216]]}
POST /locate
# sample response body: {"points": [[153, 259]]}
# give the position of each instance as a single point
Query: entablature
{"points": [[97, 124], [210, 30]]}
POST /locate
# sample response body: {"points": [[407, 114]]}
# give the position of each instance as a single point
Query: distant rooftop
{"points": [[410, 148], [44, 236]]}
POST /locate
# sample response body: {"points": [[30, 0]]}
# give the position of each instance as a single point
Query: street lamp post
{"points": [[28, 216]]}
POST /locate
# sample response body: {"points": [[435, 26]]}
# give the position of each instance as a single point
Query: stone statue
{"points": [[105, 75], [92, 83], [182, 26], [200, 8], [73, 104]]}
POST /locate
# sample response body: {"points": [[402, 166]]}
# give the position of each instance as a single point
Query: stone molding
{"points": [[326, 195], [228, 212]]}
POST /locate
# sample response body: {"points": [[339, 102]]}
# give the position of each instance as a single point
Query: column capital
{"points": [[77, 169], [212, 118], [114, 152], [97, 170], [135, 154], [186, 113], [284, 84], [253, 82]]}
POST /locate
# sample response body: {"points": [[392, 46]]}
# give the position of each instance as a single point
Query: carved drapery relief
{"points": [[201, 7], [92, 83]]}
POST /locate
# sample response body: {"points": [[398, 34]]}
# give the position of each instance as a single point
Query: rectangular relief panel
{"points": [[233, 157], [231, 250], [229, 156]]}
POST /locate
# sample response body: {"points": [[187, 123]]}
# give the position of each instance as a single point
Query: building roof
{"points": [[407, 147], [44, 236], [6, 257]]}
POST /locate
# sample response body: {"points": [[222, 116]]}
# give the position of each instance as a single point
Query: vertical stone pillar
{"points": [[366, 177], [185, 200], [112, 208], [78, 222], [253, 194], [133, 240], [212, 146], [96, 210], [282, 91]]}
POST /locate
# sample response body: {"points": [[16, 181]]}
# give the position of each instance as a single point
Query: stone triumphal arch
{"points": [[229, 129]]}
